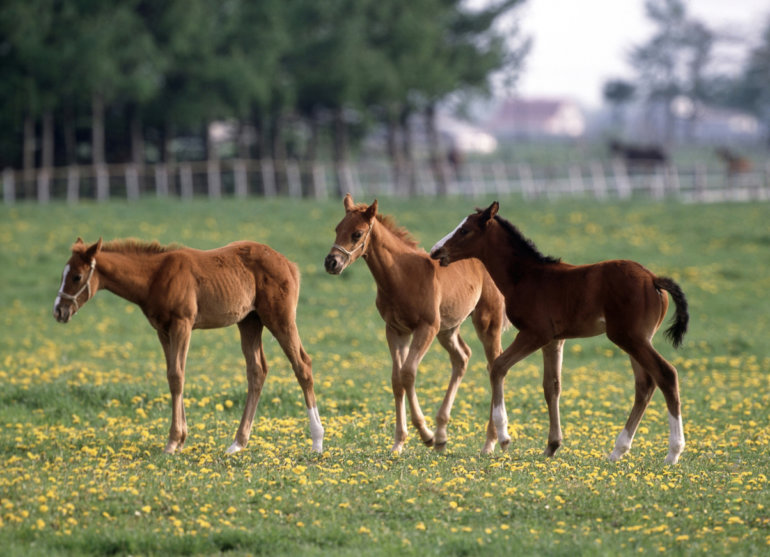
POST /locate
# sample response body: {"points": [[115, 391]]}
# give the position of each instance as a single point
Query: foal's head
{"points": [[76, 282], [353, 234], [467, 239]]}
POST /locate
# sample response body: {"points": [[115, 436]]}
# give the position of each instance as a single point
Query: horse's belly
{"points": [[213, 316]]}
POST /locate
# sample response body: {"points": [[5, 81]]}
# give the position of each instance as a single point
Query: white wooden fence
{"points": [[243, 178]]}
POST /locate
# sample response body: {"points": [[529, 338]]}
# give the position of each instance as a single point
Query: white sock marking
{"points": [[444, 240], [622, 445], [676, 439], [316, 429], [500, 417]]}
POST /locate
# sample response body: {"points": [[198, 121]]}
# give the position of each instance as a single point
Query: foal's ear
{"points": [[348, 202], [490, 212], [93, 251], [371, 211]]}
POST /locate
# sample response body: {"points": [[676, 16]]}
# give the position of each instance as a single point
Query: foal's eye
{"points": [[76, 278], [462, 231], [357, 235]]}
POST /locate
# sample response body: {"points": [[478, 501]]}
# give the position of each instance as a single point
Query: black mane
{"points": [[525, 245]]}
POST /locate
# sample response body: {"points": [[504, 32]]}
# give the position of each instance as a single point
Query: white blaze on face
{"points": [[63, 282], [445, 239]]}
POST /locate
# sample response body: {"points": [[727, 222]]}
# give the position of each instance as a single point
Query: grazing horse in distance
{"points": [[418, 300], [180, 289], [549, 301], [638, 155], [735, 163]]}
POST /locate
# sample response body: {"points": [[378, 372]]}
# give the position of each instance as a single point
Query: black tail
{"points": [[675, 333]]}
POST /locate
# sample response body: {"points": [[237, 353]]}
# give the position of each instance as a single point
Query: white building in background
{"points": [[537, 118], [464, 136]]}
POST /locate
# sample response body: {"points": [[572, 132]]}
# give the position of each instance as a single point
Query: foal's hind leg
{"points": [[552, 359], [488, 321], [285, 331], [459, 354], [644, 388], [256, 371], [666, 378]]}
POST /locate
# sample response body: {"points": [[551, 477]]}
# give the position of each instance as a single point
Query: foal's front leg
{"points": [[398, 345], [522, 346], [552, 359], [176, 341]]}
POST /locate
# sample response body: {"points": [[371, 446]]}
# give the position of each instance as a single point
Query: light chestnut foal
{"points": [[549, 301], [419, 301], [180, 289]]}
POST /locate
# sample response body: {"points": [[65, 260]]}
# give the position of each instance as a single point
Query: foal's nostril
{"points": [[330, 263]]}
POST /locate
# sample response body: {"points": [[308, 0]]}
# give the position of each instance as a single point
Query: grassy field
{"points": [[84, 407]]}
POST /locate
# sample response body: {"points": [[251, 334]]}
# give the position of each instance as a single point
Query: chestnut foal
{"points": [[549, 301], [418, 300], [180, 289]]}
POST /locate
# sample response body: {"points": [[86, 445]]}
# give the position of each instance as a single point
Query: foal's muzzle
{"points": [[334, 263], [441, 256], [62, 313]]}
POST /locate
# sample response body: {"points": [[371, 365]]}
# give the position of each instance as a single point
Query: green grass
{"points": [[84, 407]]}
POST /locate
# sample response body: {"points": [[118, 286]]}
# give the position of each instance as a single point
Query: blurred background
{"points": [[127, 98]]}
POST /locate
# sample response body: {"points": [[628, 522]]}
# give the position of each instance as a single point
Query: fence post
{"points": [[185, 181], [576, 184], [701, 183], [102, 182], [598, 180], [44, 185], [73, 184], [268, 178], [214, 179], [622, 181], [241, 178], [132, 181], [9, 186], [161, 180], [501, 178], [294, 178], [319, 181], [527, 183]]}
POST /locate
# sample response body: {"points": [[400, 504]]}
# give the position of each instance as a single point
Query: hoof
{"points": [[488, 448], [429, 442], [504, 444], [672, 458], [234, 448], [552, 447], [439, 447]]}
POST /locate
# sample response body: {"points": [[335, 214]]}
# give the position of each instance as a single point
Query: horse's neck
{"points": [[382, 256], [504, 258], [125, 275]]}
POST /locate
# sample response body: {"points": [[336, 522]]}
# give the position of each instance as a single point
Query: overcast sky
{"points": [[579, 44]]}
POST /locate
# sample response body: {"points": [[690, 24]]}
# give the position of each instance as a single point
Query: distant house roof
{"points": [[537, 117]]}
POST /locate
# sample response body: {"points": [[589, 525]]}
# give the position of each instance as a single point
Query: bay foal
{"points": [[418, 300], [549, 301], [180, 289]]}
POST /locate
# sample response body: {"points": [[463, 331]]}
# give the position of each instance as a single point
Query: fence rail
{"points": [[243, 178]]}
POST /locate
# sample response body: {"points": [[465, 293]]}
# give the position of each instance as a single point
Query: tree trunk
{"points": [[70, 141], [137, 136], [28, 157], [97, 130], [278, 148], [46, 160], [340, 152], [394, 153], [434, 150], [310, 156], [408, 154]]}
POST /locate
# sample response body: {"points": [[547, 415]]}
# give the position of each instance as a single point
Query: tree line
{"points": [[93, 81], [675, 68]]}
